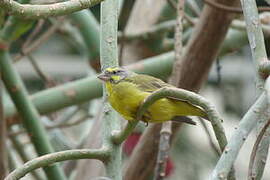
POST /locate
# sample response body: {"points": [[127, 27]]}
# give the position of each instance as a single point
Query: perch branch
{"points": [[195, 99]]}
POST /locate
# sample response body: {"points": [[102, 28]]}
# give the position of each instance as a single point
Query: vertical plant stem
{"points": [[255, 36], [257, 45], [163, 151], [109, 58], [166, 130], [210, 138], [178, 46], [29, 114]]}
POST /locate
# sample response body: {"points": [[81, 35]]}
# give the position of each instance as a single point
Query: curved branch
{"points": [[48, 159], [255, 36], [43, 11], [192, 98], [254, 151]]}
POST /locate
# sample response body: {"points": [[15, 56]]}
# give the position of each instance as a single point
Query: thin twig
{"points": [[251, 175], [45, 77], [178, 45], [39, 41], [36, 30], [163, 151], [210, 138], [186, 16], [166, 130]]}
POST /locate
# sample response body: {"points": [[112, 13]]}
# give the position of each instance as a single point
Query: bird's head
{"points": [[113, 75]]}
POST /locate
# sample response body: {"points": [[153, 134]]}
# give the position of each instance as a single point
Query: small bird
{"points": [[127, 90]]}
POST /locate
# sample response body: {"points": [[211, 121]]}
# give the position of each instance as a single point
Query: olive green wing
{"points": [[147, 83]]}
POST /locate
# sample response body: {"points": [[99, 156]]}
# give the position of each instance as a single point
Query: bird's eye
{"points": [[114, 72]]}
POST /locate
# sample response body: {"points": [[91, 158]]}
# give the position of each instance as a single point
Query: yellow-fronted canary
{"points": [[127, 90]]}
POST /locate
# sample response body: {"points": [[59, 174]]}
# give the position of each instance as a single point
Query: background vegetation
{"points": [[51, 51]]}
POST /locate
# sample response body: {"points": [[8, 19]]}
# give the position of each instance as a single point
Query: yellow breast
{"points": [[125, 98]]}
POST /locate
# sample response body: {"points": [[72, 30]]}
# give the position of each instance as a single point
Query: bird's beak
{"points": [[103, 77]]}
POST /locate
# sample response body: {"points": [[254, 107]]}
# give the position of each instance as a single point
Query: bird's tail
{"points": [[183, 119], [201, 113], [187, 109]]}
